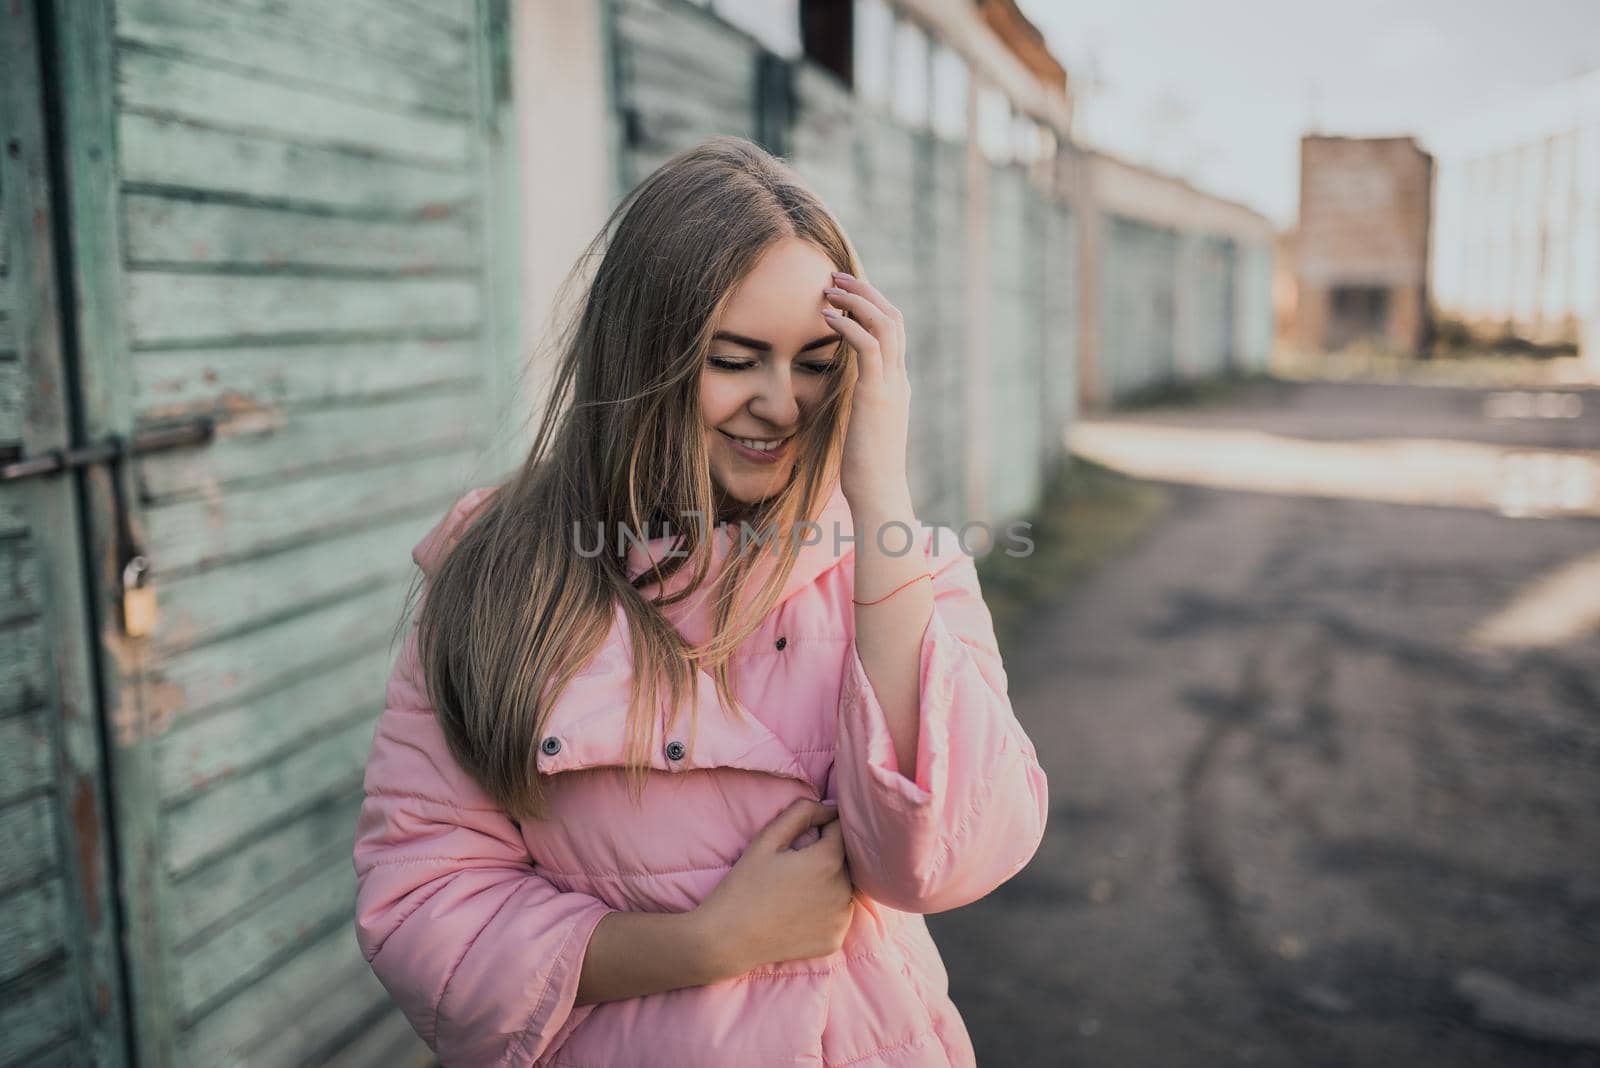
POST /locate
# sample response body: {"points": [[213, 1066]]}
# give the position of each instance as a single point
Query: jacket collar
{"points": [[590, 721], [822, 547], [590, 718]]}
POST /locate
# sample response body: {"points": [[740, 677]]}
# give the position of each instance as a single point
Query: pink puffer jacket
{"points": [[477, 926]]}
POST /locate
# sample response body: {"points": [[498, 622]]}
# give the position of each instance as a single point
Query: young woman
{"points": [[682, 798]]}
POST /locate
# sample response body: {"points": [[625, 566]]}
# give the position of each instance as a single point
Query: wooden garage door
{"points": [[283, 217], [61, 996]]}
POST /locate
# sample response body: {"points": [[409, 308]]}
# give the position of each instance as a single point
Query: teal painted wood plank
{"points": [[388, 56], [168, 307], [457, 15], [684, 77], [166, 86], [87, 672], [165, 230], [13, 399], [322, 1024], [295, 362], [22, 667], [27, 842], [70, 1052], [188, 533], [214, 969], [21, 585], [507, 325], [179, 382], [219, 603], [322, 836], [37, 1016], [328, 983], [8, 330], [671, 71], [27, 753], [243, 737], [257, 801], [68, 924], [199, 680], [391, 1041], [274, 443], [168, 152], [34, 929], [367, 21]]}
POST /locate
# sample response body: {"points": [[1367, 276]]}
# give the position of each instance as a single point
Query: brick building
{"points": [[1361, 251]]}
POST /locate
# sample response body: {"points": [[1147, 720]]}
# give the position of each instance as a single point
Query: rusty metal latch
{"points": [[54, 461], [137, 597]]}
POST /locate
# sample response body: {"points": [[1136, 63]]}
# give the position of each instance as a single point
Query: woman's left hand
{"points": [[873, 467]]}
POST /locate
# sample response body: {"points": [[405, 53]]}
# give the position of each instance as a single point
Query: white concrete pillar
{"points": [[566, 128]]}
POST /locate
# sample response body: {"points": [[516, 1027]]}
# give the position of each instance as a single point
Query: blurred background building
{"points": [[1361, 247], [274, 282], [1516, 245]]}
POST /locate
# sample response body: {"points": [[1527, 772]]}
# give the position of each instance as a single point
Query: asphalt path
{"points": [[1324, 765]]}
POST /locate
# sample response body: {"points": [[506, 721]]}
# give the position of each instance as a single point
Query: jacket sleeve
{"points": [[975, 813], [481, 953]]}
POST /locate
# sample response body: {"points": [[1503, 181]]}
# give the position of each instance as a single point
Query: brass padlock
{"points": [[138, 600]]}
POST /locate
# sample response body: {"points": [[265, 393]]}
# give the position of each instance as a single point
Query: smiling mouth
{"points": [[759, 444]]}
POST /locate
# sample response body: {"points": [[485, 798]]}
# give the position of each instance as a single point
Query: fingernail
{"points": [[841, 274], [829, 313]]}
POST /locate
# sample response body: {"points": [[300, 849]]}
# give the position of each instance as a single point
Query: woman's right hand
{"points": [[777, 903]]}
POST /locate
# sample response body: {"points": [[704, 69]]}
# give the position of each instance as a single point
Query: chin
{"points": [[750, 491]]}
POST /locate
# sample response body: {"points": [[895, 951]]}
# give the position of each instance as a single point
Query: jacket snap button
{"points": [[782, 642], [675, 750], [552, 745]]}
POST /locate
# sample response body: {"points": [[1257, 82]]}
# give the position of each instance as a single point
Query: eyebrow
{"points": [[766, 346]]}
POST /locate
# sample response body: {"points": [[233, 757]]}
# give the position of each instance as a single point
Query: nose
{"points": [[775, 402]]}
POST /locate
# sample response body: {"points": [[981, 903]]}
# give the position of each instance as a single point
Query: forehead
{"points": [[782, 292]]}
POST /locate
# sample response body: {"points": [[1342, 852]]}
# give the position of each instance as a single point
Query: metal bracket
{"points": [[56, 461]]}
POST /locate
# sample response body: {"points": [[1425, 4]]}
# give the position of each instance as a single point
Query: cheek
{"points": [[809, 393], [718, 401]]}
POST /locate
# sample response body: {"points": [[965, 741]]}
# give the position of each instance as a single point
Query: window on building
{"points": [[949, 93], [872, 54], [910, 70], [827, 35]]}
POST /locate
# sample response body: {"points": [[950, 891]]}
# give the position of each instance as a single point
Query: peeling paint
{"points": [[86, 823]]}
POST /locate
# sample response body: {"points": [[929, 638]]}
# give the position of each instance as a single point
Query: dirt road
{"points": [[1325, 771]]}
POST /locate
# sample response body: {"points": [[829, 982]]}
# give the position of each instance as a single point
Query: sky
{"points": [[1220, 92]]}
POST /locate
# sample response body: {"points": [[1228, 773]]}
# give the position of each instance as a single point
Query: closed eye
{"points": [[726, 363]]}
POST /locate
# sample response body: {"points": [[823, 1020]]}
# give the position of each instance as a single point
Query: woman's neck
{"points": [[728, 510]]}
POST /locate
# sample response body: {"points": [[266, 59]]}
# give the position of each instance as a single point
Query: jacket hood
{"points": [[428, 552]]}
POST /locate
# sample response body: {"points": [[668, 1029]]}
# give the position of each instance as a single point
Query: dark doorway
{"points": [[1357, 313]]}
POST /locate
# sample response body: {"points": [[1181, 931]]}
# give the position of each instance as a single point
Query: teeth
{"points": [[759, 446]]}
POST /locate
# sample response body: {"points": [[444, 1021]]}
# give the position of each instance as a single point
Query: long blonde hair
{"points": [[512, 613]]}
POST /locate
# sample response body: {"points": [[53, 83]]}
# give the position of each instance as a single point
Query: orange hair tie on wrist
{"points": [[894, 591]]}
